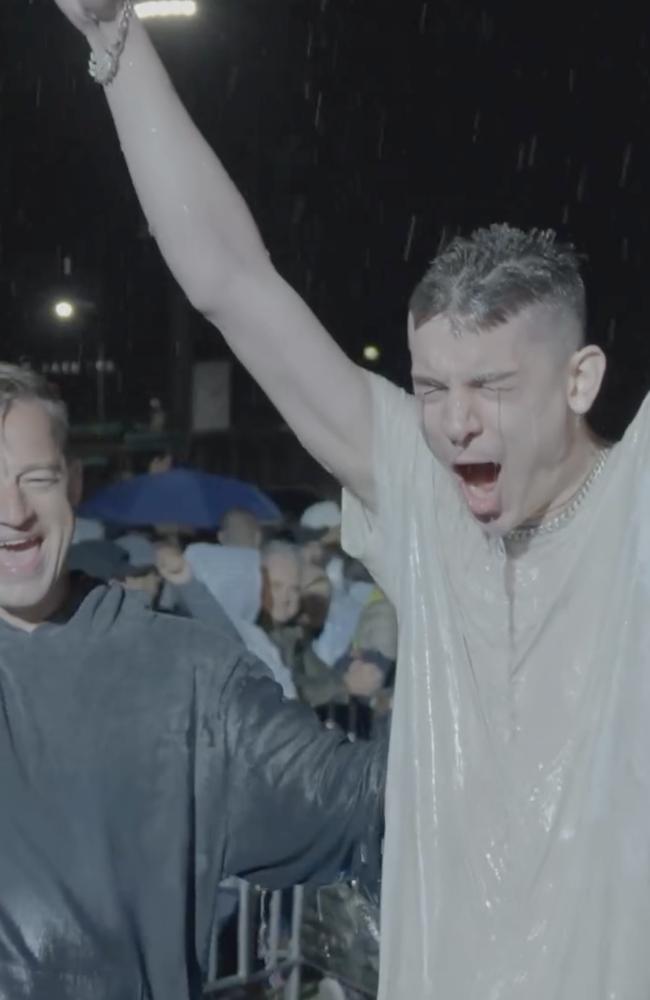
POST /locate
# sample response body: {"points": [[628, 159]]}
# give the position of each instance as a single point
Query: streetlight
{"points": [[371, 353], [64, 310], [165, 8]]}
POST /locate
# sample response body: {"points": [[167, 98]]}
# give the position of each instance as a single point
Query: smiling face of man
{"points": [[503, 410], [36, 518]]}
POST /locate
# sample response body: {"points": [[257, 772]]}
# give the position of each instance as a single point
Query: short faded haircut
{"points": [[25, 385], [483, 280]]}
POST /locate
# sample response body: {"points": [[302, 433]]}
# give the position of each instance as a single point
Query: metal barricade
{"points": [[282, 964]]}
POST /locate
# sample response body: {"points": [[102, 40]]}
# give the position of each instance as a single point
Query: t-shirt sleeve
{"points": [[373, 536], [302, 802]]}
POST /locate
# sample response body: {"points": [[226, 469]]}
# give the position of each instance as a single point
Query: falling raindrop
{"points": [[423, 18], [532, 151], [319, 103], [627, 155], [409, 238]]}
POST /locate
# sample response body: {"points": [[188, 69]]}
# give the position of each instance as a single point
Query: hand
{"points": [[85, 13], [172, 564], [363, 679]]}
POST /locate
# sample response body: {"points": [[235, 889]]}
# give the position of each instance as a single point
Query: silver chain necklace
{"points": [[547, 527]]}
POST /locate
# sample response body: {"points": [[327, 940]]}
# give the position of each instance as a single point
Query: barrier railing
{"points": [[282, 965]]}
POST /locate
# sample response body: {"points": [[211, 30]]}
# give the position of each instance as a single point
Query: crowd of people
{"points": [[312, 614]]}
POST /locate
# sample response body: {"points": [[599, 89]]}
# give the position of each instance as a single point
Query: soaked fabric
{"points": [[142, 759], [517, 859]]}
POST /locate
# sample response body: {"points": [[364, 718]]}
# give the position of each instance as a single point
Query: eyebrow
{"points": [[487, 378]]}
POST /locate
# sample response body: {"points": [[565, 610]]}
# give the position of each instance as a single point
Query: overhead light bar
{"points": [[166, 8]]}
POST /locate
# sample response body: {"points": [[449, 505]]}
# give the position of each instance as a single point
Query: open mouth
{"points": [[479, 482], [20, 557]]}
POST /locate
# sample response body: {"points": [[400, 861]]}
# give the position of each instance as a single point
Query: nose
{"points": [[461, 422], [15, 511]]}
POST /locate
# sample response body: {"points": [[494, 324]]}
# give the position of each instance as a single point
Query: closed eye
{"points": [[428, 388], [42, 481]]}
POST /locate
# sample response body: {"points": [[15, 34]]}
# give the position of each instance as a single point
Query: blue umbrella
{"points": [[181, 496]]}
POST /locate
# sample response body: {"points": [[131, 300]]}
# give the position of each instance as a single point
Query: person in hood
{"points": [[143, 758]]}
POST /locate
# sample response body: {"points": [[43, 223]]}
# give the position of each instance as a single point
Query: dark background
{"points": [[362, 133]]}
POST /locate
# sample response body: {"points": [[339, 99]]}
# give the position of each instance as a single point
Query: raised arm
{"points": [[211, 244]]}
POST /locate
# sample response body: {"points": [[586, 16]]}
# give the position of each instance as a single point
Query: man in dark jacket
{"points": [[143, 758]]}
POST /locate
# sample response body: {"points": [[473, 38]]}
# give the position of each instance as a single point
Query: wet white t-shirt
{"points": [[517, 858]]}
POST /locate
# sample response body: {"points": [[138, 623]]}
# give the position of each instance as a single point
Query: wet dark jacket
{"points": [[142, 759]]}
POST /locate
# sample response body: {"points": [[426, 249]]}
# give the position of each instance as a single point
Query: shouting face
{"points": [[502, 410], [36, 519]]}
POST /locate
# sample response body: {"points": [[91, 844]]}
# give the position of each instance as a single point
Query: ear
{"points": [[586, 371], [75, 481]]}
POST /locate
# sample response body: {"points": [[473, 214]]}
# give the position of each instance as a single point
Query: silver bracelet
{"points": [[103, 69]]}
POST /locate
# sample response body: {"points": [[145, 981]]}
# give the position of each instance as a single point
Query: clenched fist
{"points": [[84, 13]]}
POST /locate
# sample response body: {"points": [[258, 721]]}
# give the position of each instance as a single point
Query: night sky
{"points": [[362, 133]]}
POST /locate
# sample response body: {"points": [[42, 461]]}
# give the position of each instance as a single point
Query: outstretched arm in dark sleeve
{"points": [[304, 804]]}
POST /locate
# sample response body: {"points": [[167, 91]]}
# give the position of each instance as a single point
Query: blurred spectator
{"points": [[375, 640], [233, 575], [318, 531], [315, 597], [139, 547], [241, 529], [368, 668], [145, 579], [281, 568], [291, 626], [348, 600], [167, 585]]}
